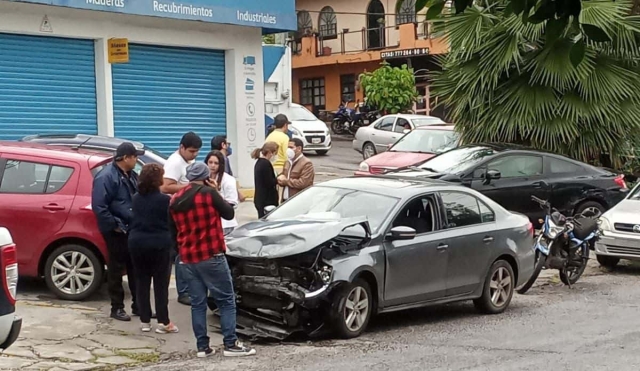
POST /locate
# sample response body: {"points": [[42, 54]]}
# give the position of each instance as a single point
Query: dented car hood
{"points": [[280, 238]]}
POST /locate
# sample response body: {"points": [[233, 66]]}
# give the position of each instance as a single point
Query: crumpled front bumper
{"points": [[255, 323]]}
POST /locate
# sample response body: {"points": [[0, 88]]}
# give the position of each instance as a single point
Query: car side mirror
{"points": [[401, 233], [491, 175], [268, 209]]}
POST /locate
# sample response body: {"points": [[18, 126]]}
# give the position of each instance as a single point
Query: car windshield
{"points": [[457, 160], [336, 203], [635, 193], [426, 141], [299, 113], [426, 121]]}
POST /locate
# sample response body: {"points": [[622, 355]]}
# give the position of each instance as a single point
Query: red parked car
{"points": [[45, 203], [415, 147]]}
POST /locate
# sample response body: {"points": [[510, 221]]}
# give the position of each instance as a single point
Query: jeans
{"points": [[182, 285], [212, 276], [119, 262], [152, 264]]}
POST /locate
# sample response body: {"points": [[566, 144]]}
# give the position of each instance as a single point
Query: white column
{"points": [[104, 92], [245, 107]]}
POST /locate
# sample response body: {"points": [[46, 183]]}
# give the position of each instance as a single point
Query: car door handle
{"points": [[442, 247], [487, 239], [53, 207]]}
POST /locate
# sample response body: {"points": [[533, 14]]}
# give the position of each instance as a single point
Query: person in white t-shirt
{"points": [[225, 184], [175, 178], [175, 168]]}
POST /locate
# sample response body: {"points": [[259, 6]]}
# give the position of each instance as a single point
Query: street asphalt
{"points": [[592, 326]]}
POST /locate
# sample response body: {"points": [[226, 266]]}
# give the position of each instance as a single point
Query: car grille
{"points": [[310, 138], [314, 132], [624, 227], [623, 250], [377, 170]]}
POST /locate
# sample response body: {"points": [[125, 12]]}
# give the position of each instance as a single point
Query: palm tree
{"points": [[548, 85]]}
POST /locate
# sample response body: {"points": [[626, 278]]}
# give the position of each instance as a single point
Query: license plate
{"points": [[315, 140]]}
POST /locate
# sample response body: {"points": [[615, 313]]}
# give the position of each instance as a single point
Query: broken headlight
{"points": [[325, 272]]}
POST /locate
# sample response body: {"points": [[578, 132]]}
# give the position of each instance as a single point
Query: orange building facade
{"points": [[338, 40]]}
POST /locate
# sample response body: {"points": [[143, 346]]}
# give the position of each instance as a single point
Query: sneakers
{"points": [[203, 353], [120, 315], [238, 350], [167, 329], [145, 327]]}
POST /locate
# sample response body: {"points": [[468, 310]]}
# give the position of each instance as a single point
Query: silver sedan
{"points": [[620, 225], [385, 131]]}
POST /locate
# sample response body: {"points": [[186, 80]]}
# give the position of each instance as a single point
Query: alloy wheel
{"points": [[368, 151], [500, 286], [356, 309], [72, 272]]}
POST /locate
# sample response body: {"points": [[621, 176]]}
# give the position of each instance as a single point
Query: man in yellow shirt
{"points": [[279, 136]]}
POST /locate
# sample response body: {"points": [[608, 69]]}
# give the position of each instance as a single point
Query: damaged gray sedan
{"points": [[340, 252]]}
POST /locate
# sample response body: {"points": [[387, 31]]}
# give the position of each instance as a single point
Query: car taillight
{"points": [[9, 266], [531, 229], [620, 181]]}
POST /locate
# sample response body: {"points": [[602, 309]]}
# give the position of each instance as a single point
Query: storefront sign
{"points": [[118, 50], [269, 15], [405, 53]]}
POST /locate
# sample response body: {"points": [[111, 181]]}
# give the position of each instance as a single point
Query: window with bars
{"points": [[328, 24], [406, 13], [312, 93], [348, 87]]}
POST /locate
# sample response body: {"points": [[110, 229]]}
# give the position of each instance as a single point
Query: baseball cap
{"points": [[127, 149]]}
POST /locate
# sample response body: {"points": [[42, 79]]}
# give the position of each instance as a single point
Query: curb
{"points": [[248, 192]]}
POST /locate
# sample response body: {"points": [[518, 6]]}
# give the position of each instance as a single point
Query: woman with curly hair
{"points": [[150, 246], [225, 184]]}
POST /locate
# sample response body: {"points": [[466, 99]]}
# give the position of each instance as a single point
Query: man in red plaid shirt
{"points": [[195, 217]]}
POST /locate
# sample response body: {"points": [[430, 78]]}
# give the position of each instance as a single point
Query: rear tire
{"points": [[498, 289], [536, 272], [80, 265], [593, 205], [368, 150], [609, 262], [337, 126], [570, 279]]}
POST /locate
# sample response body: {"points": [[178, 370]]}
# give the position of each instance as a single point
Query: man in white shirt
{"points": [[175, 178]]}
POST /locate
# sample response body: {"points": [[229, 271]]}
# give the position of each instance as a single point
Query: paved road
{"points": [[594, 326], [341, 161]]}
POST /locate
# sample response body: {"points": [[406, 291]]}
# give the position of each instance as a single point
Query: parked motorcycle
{"points": [[343, 119], [563, 244]]}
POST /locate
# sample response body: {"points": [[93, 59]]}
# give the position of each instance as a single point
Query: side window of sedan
{"points": [[557, 166], [402, 125], [462, 209], [418, 214], [138, 167], [386, 124], [517, 166]]}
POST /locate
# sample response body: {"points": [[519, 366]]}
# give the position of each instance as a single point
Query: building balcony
{"points": [[329, 47]]}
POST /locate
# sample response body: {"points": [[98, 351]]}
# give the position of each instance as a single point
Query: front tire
{"points": [[322, 152], [73, 272], [337, 126], [351, 309], [536, 272], [609, 262], [571, 277], [498, 289]]}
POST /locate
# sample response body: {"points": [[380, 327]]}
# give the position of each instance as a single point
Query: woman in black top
{"points": [[266, 193], [150, 246]]}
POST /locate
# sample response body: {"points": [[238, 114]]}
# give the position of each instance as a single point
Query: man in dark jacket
{"points": [[111, 201]]}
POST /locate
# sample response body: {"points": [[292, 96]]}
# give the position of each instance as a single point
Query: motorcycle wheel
{"points": [[353, 128], [337, 126], [536, 272], [571, 277]]}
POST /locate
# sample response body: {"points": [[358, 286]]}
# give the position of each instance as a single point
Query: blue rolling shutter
{"points": [[47, 85], [165, 92]]}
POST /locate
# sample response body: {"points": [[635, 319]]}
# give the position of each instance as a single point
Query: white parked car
{"points": [[385, 131], [10, 324], [620, 227], [313, 132]]}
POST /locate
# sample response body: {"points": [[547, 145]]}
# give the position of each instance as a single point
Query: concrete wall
{"points": [[244, 132]]}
